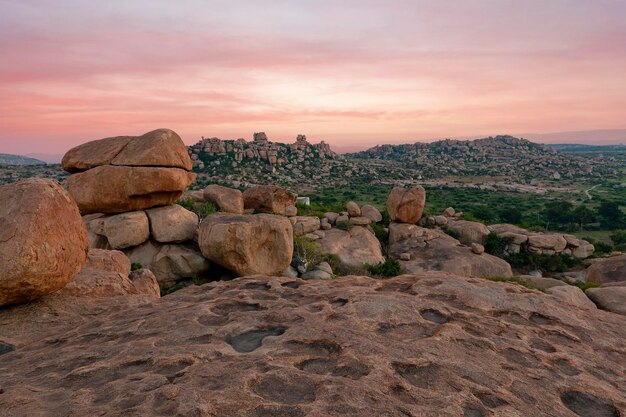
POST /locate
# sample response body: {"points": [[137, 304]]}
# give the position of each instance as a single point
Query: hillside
{"points": [[517, 159], [8, 159]]}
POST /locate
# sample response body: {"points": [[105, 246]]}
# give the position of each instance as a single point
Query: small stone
{"points": [[316, 274], [405, 256], [324, 266], [478, 249]]}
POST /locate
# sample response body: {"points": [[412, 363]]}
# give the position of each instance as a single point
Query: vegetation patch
{"points": [[387, 269], [516, 280]]}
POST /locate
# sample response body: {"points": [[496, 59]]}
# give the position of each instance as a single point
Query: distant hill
{"points": [[577, 147], [8, 159], [499, 156]]}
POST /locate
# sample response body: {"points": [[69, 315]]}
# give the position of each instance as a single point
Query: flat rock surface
{"points": [[431, 344]]}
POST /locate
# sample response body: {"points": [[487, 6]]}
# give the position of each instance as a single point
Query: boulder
{"points": [[43, 240], [406, 205], [477, 248], [612, 299], [584, 250], [256, 244], [116, 189], [170, 262], [353, 209], [316, 274], [360, 221], [332, 217], [440, 220], [159, 148], [145, 282], [607, 270], [428, 344], [548, 242], [121, 230], [291, 211], [516, 238], [228, 200], [355, 248], [105, 274], [543, 283], [305, 224], [433, 250], [268, 199], [449, 212], [469, 232], [371, 213], [325, 224], [571, 295], [172, 224]]}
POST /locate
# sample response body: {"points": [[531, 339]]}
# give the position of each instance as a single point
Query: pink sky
{"points": [[348, 72]]}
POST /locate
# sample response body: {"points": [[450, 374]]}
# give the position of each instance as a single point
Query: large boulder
{"points": [[433, 250], [406, 205], [469, 232], [549, 242], [304, 224], [247, 244], [159, 148], [228, 200], [583, 250], [43, 240], [170, 262], [610, 298], [268, 199], [607, 270], [121, 230], [353, 209], [429, 344], [355, 248], [371, 213], [172, 224], [117, 189]]}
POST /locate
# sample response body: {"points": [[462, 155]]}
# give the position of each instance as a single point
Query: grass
{"points": [[516, 280]]}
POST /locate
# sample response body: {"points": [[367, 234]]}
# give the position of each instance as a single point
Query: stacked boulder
{"points": [[126, 186], [420, 249], [543, 243]]}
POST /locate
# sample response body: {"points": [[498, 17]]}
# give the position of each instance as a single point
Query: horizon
{"points": [[354, 74]]}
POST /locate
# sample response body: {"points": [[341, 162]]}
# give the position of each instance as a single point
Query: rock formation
{"points": [[406, 206], [128, 173], [43, 240], [430, 344]]}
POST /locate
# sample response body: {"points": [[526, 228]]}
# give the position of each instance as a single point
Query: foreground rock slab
{"points": [[43, 240], [422, 345]]}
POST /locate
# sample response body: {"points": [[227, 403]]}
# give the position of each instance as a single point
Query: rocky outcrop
{"points": [[607, 270], [168, 262], [355, 248], [159, 148], [228, 200], [286, 347], [468, 232], [247, 244], [609, 298], [268, 199], [172, 224], [419, 249], [406, 205], [43, 240], [121, 174]]}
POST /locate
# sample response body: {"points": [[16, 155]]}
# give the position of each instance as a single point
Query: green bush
{"points": [[496, 245], [469, 217], [187, 203], [206, 209], [387, 269], [135, 266], [517, 280], [382, 235], [453, 233], [309, 254], [582, 285], [538, 261], [344, 225], [619, 237]]}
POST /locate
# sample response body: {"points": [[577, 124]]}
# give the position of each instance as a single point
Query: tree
{"points": [[511, 215], [558, 212], [582, 215], [611, 214]]}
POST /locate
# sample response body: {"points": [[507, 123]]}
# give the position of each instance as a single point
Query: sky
{"points": [[352, 73]]}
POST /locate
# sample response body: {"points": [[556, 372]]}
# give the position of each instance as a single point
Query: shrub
{"points": [[496, 245], [546, 263], [135, 266], [453, 233], [602, 247], [619, 237], [516, 280], [382, 235], [344, 225], [307, 253], [469, 217], [387, 269], [206, 209], [582, 285], [187, 203]]}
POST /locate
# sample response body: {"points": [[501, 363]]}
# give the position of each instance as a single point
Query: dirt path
{"points": [[587, 192]]}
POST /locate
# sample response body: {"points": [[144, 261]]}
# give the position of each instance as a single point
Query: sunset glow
{"points": [[348, 72]]}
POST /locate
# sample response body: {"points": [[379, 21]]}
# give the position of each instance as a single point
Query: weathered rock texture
{"points": [[226, 199], [43, 240], [247, 244], [354, 247], [172, 223], [406, 205], [127, 173], [424, 345], [268, 199], [608, 270]]}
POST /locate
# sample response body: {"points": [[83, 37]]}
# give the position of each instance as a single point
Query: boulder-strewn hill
{"points": [[261, 160], [494, 156], [8, 159]]}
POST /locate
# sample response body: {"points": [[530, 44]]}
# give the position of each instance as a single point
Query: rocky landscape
{"points": [[293, 312]]}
